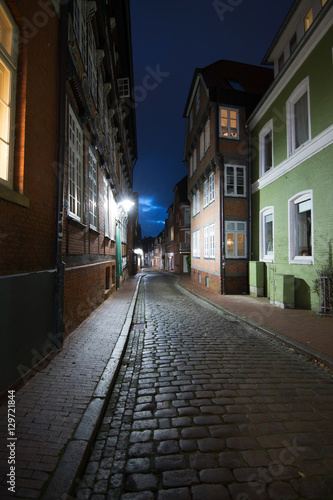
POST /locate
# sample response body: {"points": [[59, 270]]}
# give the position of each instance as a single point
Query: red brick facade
{"points": [[216, 153]]}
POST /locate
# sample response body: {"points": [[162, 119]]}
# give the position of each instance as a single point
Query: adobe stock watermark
{"points": [[150, 82], [227, 6], [264, 475], [39, 358]]}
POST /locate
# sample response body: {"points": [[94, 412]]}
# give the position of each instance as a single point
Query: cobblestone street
{"points": [[205, 408]]}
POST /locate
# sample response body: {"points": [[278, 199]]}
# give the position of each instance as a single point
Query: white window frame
{"points": [[266, 212], [211, 188], [234, 193], [262, 150], [196, 203], [80, 26], [209, 242], [8, 59], [206, 242], [205, 193], [75, 166], [196, 244], [92, 189], [300, 90], [236, 231], [303, 196], [124, 87], [229, 135]]}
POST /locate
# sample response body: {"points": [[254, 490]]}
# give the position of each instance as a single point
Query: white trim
{"points": [[265, 257], [229, 136], [302, 88], [268, 127], [292, 202], [311, 148], [264, 105], [234, 167]]}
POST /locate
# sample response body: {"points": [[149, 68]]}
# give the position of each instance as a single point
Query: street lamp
{"points": [[124, 206]]}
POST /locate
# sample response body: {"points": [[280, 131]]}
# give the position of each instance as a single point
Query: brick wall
{"points": [[28, 235], [85, 289]]}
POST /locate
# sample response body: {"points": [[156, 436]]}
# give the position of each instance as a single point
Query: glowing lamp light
{"points": [[126, 205]]}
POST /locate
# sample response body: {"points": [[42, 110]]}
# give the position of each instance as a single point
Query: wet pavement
{"points": [[204, 407]]}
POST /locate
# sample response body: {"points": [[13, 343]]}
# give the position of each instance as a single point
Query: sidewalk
{"points": [[57, 411], [303, 330]]}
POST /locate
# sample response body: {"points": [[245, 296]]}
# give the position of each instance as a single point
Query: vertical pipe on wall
{"points": [[60, 274]]}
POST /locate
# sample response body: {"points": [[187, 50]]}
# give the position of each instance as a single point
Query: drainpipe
{"points": [[219, 161], [249, 194], [60, 266]]}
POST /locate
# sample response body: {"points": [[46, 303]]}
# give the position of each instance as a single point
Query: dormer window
{"points": [[308, 20]]}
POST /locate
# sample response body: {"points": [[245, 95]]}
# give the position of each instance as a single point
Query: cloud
{"points": [[148, 204]]}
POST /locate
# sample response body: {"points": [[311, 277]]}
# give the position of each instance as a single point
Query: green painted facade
{"points": [[314, 171]]}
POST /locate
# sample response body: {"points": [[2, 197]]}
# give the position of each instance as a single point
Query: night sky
{"points": [[170, 38]]}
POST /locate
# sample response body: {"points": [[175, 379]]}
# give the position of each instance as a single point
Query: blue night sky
{"points": [[170, 38]]}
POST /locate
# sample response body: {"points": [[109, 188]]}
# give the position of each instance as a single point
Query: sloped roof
{"points": [[232, 77], [223, 74], [182, 189]]}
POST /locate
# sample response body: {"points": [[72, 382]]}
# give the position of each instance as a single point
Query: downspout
{"points": [[60, 266], [220, 165], [249, 195]]}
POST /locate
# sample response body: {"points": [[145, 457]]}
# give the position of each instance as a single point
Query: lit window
{"points": [[236, 240], [308, 20], [293, 44], [8, 56], [106, 208], [92, 172], [229, 126], [301, 229], [323, 2], [298, 120], [266, 148], [75, 165], [267, 234], [234, 180]]}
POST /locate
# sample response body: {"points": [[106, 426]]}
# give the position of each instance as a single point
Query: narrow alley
{"points": [[205, 407]]}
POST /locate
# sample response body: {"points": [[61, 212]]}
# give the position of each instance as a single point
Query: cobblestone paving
{"points": [[206, 409]]}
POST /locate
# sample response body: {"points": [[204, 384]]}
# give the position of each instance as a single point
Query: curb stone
{"points": [[72, 463]]}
